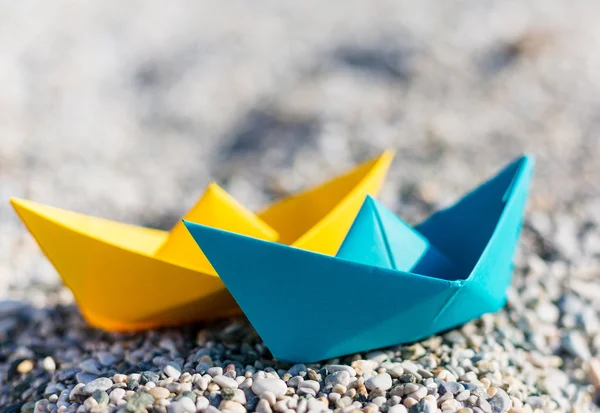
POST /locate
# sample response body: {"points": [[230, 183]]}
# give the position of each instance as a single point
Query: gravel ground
{"points": [[128, 109]]}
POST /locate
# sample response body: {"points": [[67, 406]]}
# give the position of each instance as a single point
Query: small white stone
{"points": [[239, 396], [159, 393], [316, 405], [246, 384], [225, 382], [77, 390], [101, 383], [183, 405], [119, 378], [381, 381], [398, 408], [451, 405], [116, 395], [263, 406], [202, 403], [90, 403], [232, 406], [171, 371], [49, 364], [275, 386], [202, 383], [269, 397], [419, 394], [280, 406], [310, 384], [332, 368]]}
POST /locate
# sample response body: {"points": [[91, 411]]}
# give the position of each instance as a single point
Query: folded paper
{"points": [[389, 283], [126, 277], [378, 237]]}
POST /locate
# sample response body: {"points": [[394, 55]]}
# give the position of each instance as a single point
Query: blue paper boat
{"points": [[389, 283]]}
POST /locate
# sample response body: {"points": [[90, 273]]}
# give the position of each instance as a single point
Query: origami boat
{"points": [[126, 277], [389, 283]]}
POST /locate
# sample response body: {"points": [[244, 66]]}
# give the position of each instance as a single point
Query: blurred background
{"points": [[127, 110]]}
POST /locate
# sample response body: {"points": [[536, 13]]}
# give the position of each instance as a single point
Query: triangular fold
{"points": [[366, 242], [323, 215], [463, 230], [379, 237], [218, 209]]}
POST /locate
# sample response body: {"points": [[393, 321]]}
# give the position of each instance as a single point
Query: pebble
{"points": [[239, 396], [500, 402], [398, 408], [215, 371], [451, 387], [49, 364], [120, 378], [225, 382], [310, 384], [427, 405], [269, 396], [90, 366], [85, 378], [338, 377], [230, 405], [202, 403], [101, 383], [576, 344], [419, 394], [90, 403], [116, 395], [275, 386], [295, 381], [381, 381], [396, 371], [106, 358], [451, 405], [159, 393], [25, 366], [484, 405], [101, 397], [148, 376], [263, 406], [172, 371], [594, 372], [296, 369], [332, 368], [183, 405], [203, 382]]}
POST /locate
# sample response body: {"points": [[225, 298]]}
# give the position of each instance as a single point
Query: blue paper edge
{"points": [[526, 167]]}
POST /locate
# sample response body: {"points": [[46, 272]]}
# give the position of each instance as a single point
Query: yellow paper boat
{"points": [[127, 277]]}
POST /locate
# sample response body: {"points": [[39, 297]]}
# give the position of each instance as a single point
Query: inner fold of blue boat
{"points": [[463, 231], [380, 238]]}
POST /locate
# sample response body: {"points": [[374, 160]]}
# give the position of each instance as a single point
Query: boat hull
{"points": [[309, 307]]}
